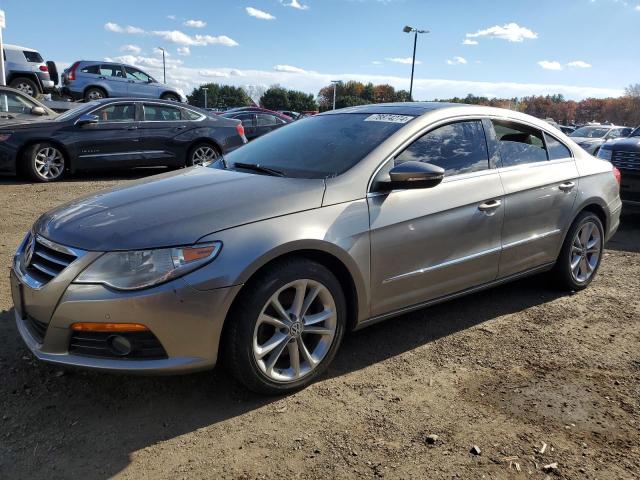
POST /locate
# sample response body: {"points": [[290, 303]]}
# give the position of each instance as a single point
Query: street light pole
{"points": [[164, 66], [409, 29], [335, 86]]}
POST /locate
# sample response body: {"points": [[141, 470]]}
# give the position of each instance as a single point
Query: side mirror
{"points": [[38, 110], [87, 119], [412, 174]]}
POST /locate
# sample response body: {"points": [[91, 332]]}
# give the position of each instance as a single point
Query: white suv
{"points": [[26, 71]]}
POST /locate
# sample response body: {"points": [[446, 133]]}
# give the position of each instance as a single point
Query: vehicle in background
{"points": [[15, 106], [88, 80], [61, 106], [592, 137], [257, 121], [308, 113], [290, 113], [25, 70], [566, 129], [117, 133], [624, 154], [334, 223]]}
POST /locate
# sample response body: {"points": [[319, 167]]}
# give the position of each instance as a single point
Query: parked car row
{"points": [[592, 137], [116, 133], [267, 258]]}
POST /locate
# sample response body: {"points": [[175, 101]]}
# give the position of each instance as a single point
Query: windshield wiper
{"points": [[259, 168]]}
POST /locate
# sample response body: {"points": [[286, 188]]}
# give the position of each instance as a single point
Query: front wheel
{"points": [[581, 253], [286, 327], [45, 162]]}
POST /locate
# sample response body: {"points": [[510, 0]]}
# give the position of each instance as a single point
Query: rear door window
{"points": [[33, 57], [266, 120], [111, 71], [458, 148], [161, 113], [117, 112], [519, 144], [93, 69], [556, 149]]}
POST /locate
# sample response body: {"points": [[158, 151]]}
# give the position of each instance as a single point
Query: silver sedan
{"points": [[266, 258]]}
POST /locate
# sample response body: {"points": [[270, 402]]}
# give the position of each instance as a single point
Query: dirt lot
{"points": [[509, 370]]}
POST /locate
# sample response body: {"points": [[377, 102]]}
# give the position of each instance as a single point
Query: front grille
{"points": [[36, 328], [46, 261], [145, 345], [626, 160]]}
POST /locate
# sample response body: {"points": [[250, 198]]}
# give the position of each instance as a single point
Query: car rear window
{"points": [[33, 57], [320, 147]]}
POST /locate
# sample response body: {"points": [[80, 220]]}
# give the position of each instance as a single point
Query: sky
{"points": [[496, 48]]}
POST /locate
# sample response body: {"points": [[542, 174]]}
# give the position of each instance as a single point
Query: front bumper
{"points": [[187, 322]]}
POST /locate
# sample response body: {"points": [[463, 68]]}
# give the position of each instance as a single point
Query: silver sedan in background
{"points": [[266, 258], [592, 137]]}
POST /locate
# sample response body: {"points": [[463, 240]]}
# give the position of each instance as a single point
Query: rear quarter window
{"points": [[94, 69], [32, 57]]}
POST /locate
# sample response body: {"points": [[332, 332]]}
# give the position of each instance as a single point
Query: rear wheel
{"points": [[25, 85], [286, 327], [581, 253], [45, 162], [202, 154], [94, 93]]}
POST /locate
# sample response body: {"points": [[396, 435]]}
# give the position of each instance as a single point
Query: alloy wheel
{"points": [[585, 252], [203, 155], [295, 330], [24, 87], [49, 163]]}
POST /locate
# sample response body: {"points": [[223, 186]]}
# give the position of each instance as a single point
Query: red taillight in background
{"points": [[72, 71], [240, 129], [43, 68], [616, 174]]}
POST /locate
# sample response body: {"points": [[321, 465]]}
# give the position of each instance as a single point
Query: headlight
{"points": [[145, 268], [605, 154]]}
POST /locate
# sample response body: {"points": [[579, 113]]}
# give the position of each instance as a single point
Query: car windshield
{"points": [[591, 132], [635, 133], [319, 147], [76, 111]]}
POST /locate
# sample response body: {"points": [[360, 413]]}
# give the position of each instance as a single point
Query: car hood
{"points": [[13, 124], [176, 208], [630, 144]]}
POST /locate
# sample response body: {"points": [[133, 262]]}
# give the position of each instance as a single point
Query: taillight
{"points": [[43, 68], [72, 71], [240, 129], [616, 174]]}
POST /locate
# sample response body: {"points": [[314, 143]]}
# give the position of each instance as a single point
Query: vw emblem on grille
{"points": [[28, 251]]}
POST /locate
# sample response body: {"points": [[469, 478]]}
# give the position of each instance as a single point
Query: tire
{"points": [[202, 153], [45, 162], [27, 86], [577, 264], [94, 93], [53, 72], [260, 344], [170, 96]]}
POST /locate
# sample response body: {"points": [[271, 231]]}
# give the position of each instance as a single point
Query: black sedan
{"points": [[117, 133], [257, 121]]}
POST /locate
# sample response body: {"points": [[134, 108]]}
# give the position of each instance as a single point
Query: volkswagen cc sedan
{"points": [[265, 260], [122, 133]]}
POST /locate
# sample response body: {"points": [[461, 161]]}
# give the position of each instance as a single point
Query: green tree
{"points": [[219, 96], [300, 101], [275, 98]]}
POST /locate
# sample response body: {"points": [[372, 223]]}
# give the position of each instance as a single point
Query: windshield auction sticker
{"points": [[388, 118]]}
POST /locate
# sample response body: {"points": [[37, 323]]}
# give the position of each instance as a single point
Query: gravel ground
{"points": [[543, 384]]}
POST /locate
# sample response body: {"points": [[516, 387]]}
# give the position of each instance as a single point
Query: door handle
{"points": [[180, 127], [489, 206], [567, 187], [102, 78]]}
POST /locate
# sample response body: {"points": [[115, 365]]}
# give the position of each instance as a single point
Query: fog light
{"points": [[119, 345]]}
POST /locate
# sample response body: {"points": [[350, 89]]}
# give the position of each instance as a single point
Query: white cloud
{"points": [[457, 61], [288, 69], [171, 17], [181, 38], [579, 64], [184, 51], [295, 4], [214, 73], [404, 60], [468, 41], [376, 62], [195, 24], [511, 32], [262, 15], [112, 27], [135, 49], [550, 65], [142, 61], [637, 9]]}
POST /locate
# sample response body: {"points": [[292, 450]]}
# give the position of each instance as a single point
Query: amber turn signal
{"points": [[108, 327]]}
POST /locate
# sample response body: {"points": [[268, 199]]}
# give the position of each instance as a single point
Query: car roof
{"points": [[7, 46], [399, 108]]}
